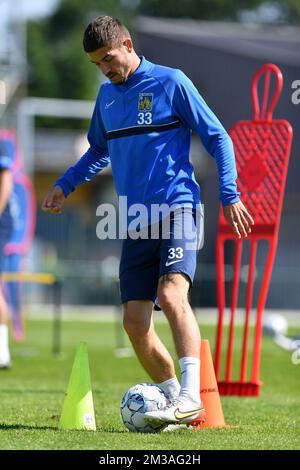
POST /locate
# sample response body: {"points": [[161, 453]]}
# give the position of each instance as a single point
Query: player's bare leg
{"points": [[4, 350], [173, 299], [153, 355]]}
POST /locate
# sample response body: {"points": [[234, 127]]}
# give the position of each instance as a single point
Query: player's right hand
{"points": [[54, 200]]}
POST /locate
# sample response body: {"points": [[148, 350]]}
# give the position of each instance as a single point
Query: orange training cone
{"points": [[209, 391]]}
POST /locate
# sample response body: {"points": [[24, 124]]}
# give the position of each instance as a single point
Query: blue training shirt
{"points": [[143, 128], [6, 153], [6, 162]]}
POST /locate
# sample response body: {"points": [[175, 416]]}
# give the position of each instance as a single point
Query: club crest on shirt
{"points": [[145, 101]]}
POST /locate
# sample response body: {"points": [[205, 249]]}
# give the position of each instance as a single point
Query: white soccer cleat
{"points": [[178, 410], [5, 364]]}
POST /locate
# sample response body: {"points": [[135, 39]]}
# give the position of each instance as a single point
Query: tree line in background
{"points": [[58, 66]]}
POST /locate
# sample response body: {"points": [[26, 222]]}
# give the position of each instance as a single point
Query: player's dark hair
{"points": [[104, 31]]}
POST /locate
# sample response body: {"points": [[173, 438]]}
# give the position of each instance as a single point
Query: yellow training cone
{"points": [[78, 407]]}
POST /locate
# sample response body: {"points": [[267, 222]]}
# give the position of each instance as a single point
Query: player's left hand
{"points": [[239, 218]]}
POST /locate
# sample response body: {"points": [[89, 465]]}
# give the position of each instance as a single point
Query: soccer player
{"points": [[6, 227], [142, 124]]}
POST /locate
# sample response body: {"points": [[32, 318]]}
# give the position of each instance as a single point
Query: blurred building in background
{"points": [[221, 59]]}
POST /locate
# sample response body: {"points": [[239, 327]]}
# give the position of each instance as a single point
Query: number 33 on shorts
{"points": [[174, 255]]}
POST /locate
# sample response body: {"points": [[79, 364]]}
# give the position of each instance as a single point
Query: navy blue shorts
{"points": [[144, 261]]}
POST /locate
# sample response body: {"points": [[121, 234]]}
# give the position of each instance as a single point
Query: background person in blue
{"points": [[142, 124], [6, 229]]}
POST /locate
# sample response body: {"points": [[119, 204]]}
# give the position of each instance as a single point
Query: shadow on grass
{"points": [[12, 427], [12, 391]]}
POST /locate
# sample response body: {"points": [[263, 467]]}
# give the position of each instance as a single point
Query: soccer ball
{"points": [[137, 401], [275, 324]]}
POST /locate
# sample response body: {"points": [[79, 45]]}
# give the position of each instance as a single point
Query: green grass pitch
{"points": [[32, 393]]}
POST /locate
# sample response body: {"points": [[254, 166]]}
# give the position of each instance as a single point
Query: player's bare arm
{"points": [[5, 187], [239, 218], [54, 200]]}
